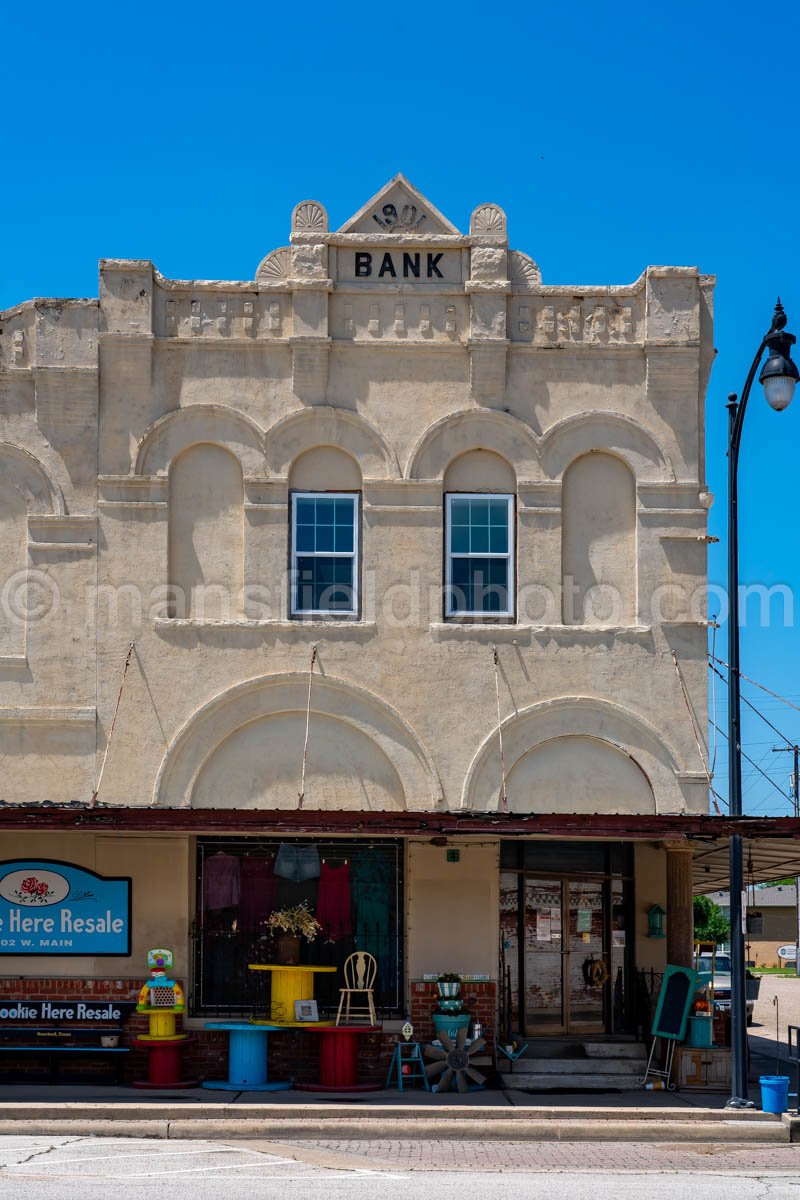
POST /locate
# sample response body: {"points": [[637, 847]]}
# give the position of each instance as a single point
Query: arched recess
{"points": [[175, 432], [325, 469], [322, 425], [552, 737], [13, 562], [206, 534], [244, 750], [474, 429], [30, 477], [578, 774], [480, 471], [596, 430], [598, 542]]}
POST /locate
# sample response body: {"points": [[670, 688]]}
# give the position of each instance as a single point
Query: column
{"points": [[680, 912], [311, 285]]}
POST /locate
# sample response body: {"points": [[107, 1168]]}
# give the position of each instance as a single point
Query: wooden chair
{"points": [[360, 970]]}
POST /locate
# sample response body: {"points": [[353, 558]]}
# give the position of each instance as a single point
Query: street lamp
{"points": [[778, 376]]}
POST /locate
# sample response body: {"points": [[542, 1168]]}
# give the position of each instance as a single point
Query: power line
{"points": [[753, 763], [757, 711], [755, 683]]}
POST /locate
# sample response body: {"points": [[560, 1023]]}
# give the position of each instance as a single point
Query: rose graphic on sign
{"points": [[41, 888], [34, 891]]}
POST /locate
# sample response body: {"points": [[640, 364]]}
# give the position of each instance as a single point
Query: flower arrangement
{"points": [[449, 977], [299, 921]]}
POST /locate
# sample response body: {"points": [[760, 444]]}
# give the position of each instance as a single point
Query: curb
{"points": [[737, 1132], [325, 1115], [320, 1122]]}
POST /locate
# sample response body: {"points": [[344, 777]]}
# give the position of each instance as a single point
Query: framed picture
{"points": [[306, 1010]]}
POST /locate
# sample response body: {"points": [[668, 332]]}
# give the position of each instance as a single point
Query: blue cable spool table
{"points": [[247, 1058]]}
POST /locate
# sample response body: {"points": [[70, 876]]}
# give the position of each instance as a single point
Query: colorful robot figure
{"points": [[161, 998]]}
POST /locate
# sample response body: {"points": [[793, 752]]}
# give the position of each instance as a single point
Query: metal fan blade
{"points": [[446, 1040], [435, 1052], [446, 1080], [477, 1045], [475, 1075], [434, 1069], [461, 1037], [461, 1080]]}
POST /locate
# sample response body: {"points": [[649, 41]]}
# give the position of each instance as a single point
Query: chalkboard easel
{"points": [[675, 1001]]}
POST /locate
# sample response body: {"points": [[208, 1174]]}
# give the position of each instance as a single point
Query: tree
{"points": [[710, 925]]}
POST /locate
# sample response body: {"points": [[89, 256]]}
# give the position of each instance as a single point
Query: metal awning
{"points": [[707, 833], [765, 859]]}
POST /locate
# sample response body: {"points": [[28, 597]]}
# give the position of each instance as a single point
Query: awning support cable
{"points": [[302, 793], [96, 791], [696, 732], [503, 788]]}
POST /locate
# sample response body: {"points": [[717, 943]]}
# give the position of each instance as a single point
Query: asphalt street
{"points": [[80, 1168]]}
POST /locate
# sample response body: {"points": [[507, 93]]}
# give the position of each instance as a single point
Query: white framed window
{"points": [[479, 555], [324, 566]]}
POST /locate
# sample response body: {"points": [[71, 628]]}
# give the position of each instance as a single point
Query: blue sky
{"points": [[613, 135]]}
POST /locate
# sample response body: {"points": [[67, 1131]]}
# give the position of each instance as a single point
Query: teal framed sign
{"points": [[48, 907], [675, 1001]]}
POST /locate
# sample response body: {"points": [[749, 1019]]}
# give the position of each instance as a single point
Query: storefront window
{"points": [[354, 889]]}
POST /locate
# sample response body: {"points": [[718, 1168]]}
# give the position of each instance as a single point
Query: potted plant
{"points": [[449, 985], [288, 926]]}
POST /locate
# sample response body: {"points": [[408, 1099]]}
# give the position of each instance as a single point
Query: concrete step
{"points": [[635, 1050], [572, 1081], [580, 1066]]}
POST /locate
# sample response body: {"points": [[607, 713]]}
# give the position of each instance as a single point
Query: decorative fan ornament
{"points": [[453, 1059], [309, 216], [488, 219], [276, 266]]}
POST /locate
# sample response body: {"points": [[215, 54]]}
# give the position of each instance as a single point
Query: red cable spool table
{"points": [[165, 1062], [338, 1059]]}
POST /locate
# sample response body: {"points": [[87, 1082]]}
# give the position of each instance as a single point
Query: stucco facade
{"points": [[151, 442]]}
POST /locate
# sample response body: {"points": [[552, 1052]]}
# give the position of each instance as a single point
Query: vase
{"points": [[450, 989], [287, 949]]}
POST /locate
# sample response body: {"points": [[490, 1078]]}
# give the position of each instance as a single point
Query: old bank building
{"points": [[375, 581]]}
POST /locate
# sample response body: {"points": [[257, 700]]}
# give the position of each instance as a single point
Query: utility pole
{"points": [[795, 750]]}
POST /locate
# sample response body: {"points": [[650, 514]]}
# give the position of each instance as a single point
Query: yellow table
{"points": [[290, 984]]}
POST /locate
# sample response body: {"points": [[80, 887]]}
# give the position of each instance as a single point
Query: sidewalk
{"points": [[89, 1094]]}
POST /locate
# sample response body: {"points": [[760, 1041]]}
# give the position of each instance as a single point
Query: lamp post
{"points": [[778, 376]]}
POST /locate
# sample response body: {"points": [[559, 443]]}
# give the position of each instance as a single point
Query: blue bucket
{"points": [[774, 1093]]}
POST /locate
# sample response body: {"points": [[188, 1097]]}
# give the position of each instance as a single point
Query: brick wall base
{"points": [[293, 1054]]}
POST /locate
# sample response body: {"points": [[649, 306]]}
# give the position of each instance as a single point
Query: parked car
{"points": [[722, 982]]}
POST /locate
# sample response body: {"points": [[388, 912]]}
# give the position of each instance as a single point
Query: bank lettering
{"points": [[407, 266]]}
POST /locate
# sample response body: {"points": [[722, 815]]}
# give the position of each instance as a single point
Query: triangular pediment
{"points": [[399, 208]]}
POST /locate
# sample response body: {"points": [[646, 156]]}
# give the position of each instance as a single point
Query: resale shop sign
{"points": [[50, 907]]}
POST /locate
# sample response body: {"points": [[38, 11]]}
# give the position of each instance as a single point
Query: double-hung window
{"points": [[479, 557], [324, 570]]}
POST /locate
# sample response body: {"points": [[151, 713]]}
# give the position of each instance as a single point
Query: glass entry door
{"points": [[585, 986], [544, 954], [565, 961], [566, 923]]}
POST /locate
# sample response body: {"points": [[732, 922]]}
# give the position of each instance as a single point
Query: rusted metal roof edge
{"points": [[399, 824]]}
